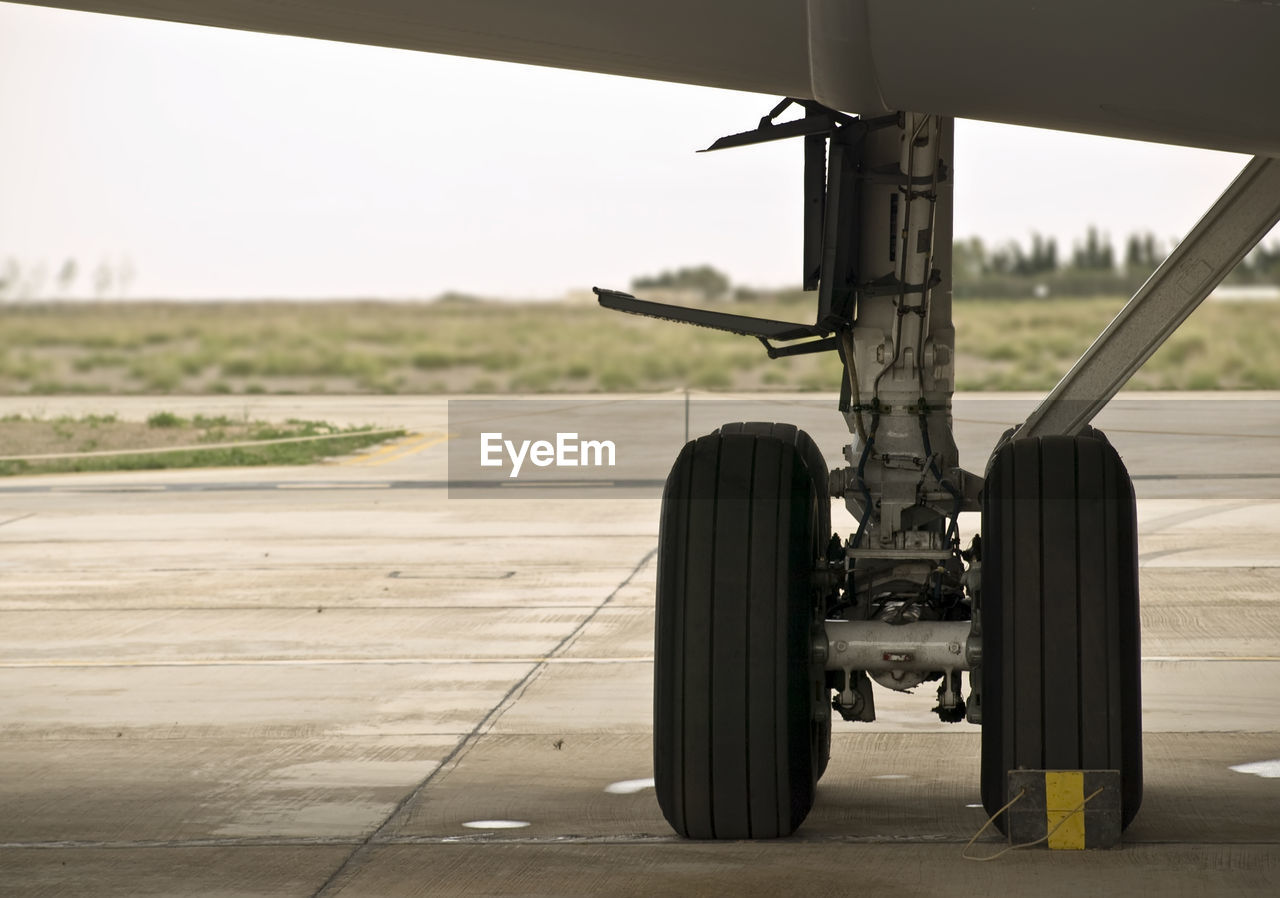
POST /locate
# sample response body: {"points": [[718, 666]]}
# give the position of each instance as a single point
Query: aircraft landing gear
{"points": [[759, 620]]}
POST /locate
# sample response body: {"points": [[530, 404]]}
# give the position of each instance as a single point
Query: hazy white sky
{"points": [[240, 165]]}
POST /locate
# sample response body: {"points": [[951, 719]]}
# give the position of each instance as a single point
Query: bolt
{"points": [[953, 648], [841, 646]]}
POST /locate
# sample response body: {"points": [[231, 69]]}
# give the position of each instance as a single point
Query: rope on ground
{"points": [[1003, 851]]}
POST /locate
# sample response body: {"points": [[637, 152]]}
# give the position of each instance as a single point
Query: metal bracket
{"points": [[818, 120], [743, 325], [826, 344], [924, 646], [832, 166]]}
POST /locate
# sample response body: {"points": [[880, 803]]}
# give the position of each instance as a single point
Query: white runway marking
{"points": [[1266, 769], [629, 787]]}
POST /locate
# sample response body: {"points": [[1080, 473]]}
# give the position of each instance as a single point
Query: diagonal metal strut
{"points": [[1241, 217]]}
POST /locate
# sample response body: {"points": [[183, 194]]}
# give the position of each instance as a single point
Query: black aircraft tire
{"points": [[737, 743], [817, 467], [1059, 603]]}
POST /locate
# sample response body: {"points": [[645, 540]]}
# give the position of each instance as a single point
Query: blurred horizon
{"points": [[1094, 265]]}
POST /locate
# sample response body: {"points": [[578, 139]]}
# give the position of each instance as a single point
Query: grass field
{"points": [[476, 347], [165, 440]]}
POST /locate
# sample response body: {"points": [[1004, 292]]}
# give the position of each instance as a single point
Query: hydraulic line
{"points": [[862, 483], [926, 293], [953, 531]]}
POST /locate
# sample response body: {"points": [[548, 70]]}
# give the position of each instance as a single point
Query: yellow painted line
{"points": [[382, 450], [412, 450], [1064, 816], [414, 442]]}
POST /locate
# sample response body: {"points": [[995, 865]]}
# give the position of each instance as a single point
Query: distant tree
{"points": [[1141, 253], [1153, 252], [67, 275], [1269, 260], [1007, 259], [703, 278], [1023, 264], [1095, 254], [1261, 265], [1133, 252], [969, 258], [9, 277], [1044, 255]]}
